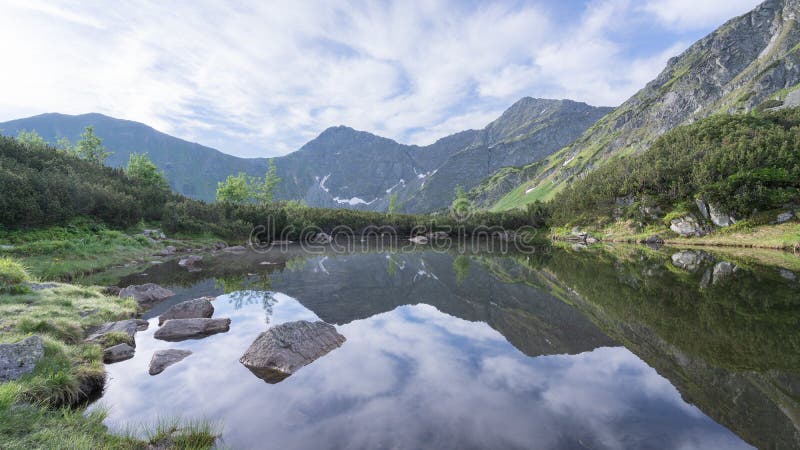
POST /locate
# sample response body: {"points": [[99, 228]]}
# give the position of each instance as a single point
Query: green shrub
{"points": [[12, 274]]}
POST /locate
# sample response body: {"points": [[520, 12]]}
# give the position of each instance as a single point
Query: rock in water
{"points": [[129, 327], [20, 358], [691, 260], [284, 349], [165, 358], [182, 329], [189, 260], [146, 294], [117, 353], [419, 240], [190, 309]]}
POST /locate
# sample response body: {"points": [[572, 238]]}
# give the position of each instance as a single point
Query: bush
{"points": [[12, 274]]}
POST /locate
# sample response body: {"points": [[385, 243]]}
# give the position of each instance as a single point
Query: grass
{"points": [[64, 253], [12, 274], [43, 408]]}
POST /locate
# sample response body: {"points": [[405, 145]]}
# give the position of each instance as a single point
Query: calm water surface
{"points": [[599, 348]]}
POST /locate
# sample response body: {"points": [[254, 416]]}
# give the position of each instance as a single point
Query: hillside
{"points": [[326, 172], [749, 63]]}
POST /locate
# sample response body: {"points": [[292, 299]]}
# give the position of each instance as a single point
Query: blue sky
{"points": [[262, 78]]}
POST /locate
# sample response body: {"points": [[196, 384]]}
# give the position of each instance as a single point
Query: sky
{"points": [[262, 78]]}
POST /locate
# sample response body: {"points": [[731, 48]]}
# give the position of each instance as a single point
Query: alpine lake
{"points": [[602, 347]]}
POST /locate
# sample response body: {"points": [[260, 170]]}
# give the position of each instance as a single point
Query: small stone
{"points": [[181, 329], [165, 358], [117, 353], [190, 309]]}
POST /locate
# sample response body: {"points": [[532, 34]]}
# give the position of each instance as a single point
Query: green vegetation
{"points": [[142, 169], [12, 274], [739, 163], [240, 188], [42, 409]]}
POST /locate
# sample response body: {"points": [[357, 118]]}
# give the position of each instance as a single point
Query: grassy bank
{"points": [[63, 253], [784, 236], [43, 409]]}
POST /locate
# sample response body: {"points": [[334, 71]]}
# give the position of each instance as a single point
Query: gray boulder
{"points": [[419, 240], [181, 329], [719, 217], [165, 358], [691, 260], [190, 309], [167, 251], [784, 217], [20, 358], [282, 350], [686, 226], [235, 249], [117, 353], [787, 274], [146, 294], [189, 260], [703, 207], [129, 327], [722, 270]]}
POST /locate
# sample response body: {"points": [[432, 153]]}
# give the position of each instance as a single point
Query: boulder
{"points": [[117, 353], [703, 207], [787, 274], [129, 327], [686, 226], [146, 294], [652, 239], [419, 240], [321, 238], [168, 251], [154, 234], [190, 309], [219, 245], [690, 260], [235, 249], [181, 329], [165, 358], [282, 350], [784, 217], [20, 358], [720, 218], [722, 270], [189, 260]]}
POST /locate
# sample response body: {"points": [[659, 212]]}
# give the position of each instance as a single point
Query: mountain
{"points": [[751, 62], [343, 167], [190, 168]]}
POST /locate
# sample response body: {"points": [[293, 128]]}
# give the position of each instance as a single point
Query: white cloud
{"points": [[262, 79], [690, 14]]}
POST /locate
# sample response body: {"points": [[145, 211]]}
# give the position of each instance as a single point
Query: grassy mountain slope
{"points": [[750, 62]]}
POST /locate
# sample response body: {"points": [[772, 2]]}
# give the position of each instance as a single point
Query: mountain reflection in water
{"points": [[597, 349]]}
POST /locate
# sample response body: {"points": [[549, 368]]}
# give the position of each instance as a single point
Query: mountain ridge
{"points": [[409, 172]]}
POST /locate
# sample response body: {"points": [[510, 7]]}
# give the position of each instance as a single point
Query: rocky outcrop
{"points": [[20, 358], [691, 260], [146, 294], [165, 358], [181, 329], [129, 327], [284, 349], [190, 309], [687, 226], [117, 353], [748, 61]]}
